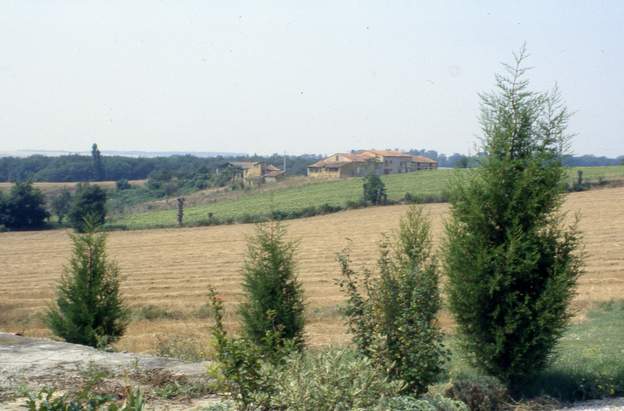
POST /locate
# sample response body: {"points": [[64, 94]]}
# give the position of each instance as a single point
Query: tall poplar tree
{"points": [[98, 165]]}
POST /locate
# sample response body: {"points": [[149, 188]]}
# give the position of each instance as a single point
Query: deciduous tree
{"points": [[24, 207], [393, 316], [89, 203]]}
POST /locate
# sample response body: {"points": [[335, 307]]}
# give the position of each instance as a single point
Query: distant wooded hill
{"points": [[81, 167], [63, 168]]}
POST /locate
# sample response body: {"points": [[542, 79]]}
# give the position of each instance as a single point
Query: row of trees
{"points": [[512, 266], [24, 207], [98, 167]]}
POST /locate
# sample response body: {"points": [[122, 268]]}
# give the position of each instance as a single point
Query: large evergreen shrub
{"points": [[89, 309], [511, 261], [273, 294], [392, 316]]}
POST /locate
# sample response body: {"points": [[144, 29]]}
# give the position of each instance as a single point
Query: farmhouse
{"points": [[256, 171], [363, 162]]}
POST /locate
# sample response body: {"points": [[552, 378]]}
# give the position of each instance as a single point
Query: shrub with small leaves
{"points": [[374, 189], [437, 403], [48, 400], [393, 317], [238, 370], [480, 393], [335, 379]]}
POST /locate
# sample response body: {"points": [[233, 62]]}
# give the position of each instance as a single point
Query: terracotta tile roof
{"points": [[362, 156], [339, 159], [386, 153], [422, 159], [273, 173]]}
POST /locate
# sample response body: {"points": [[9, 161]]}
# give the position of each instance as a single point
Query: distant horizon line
{"points": [[199, 153]]}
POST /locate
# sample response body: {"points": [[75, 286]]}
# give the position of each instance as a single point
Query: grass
{"points": [[590, 360], [335, 193], [588, 363]]}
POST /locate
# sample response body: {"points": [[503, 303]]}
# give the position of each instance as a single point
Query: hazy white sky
{"points": [[315, 77]]}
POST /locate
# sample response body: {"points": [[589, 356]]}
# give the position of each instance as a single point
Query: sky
{"points": [[294, 76]]}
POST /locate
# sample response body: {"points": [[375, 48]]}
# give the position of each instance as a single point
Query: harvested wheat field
{"points": [[173, 268]]}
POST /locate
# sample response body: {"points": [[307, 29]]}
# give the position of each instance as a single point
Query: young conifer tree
{"points": [[511, 261], [89, 309], [393, 316], [274, 296]]}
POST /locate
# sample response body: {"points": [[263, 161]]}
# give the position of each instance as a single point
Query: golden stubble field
{"points": [[54, 187], [173, 268]]}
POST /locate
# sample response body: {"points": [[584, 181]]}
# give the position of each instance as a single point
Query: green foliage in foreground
{"points": [[422, 186], [512, 263], [329, 380], [393, 316], [587, 363], [46, 400], [89, 309]]}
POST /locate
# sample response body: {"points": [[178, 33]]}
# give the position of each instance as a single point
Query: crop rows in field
{"points": [[173, 268]]}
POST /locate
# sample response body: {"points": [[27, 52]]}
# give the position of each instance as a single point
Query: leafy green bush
{"points": [[336, 379], [512, 263], [238, 371], [221, 406], [61, 204], [479, 393], [46, 400], [393, 317], [89, 203], [122, 184], [374, 189], [23, 208], [436, 403]]}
